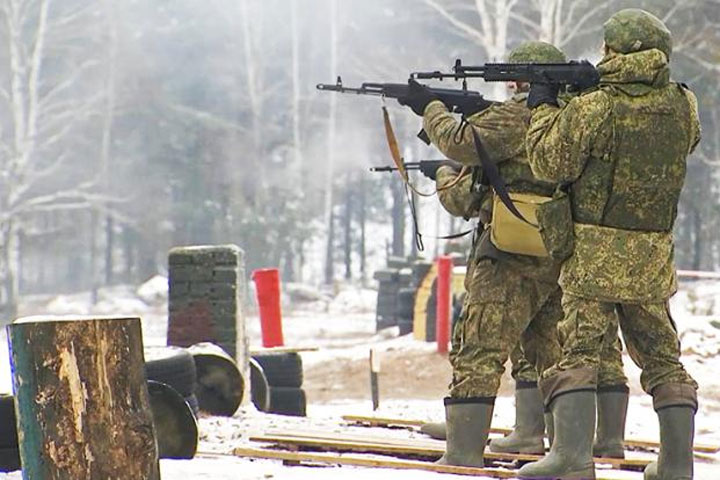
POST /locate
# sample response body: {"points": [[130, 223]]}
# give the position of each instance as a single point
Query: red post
{"points": [[267, 283], [442, 317]]}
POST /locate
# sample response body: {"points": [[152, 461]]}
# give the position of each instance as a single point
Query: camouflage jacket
{"points": [[622, 149], [502, 129]]}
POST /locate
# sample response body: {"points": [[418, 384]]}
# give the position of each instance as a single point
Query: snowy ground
{"points": [[344, 329]]}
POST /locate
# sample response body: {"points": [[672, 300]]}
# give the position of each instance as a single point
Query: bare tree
{"points": [[40, 141]]}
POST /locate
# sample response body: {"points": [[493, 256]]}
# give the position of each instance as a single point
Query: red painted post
{"points": [[442, 317], [267, 283]]}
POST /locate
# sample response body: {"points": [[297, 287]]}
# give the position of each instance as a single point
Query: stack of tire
{"points": [[276, 383], [9, 454], [397, 287], [396, 295]]}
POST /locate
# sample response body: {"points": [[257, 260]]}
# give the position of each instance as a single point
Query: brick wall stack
{"points": [[206, 298]]}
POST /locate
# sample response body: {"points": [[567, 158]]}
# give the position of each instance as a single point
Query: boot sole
{"points": [[583, 475]]}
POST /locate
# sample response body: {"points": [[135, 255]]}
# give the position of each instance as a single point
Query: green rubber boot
{"points": [[527, 436], [435, 430], [677, 429], [468, 425], [570, 456], [611, 414]]}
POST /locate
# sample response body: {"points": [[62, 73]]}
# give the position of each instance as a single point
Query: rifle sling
{"points": [[456, 235], [400, 162], [493, 176]]}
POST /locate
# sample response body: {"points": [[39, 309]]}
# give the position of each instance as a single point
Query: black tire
{"points": [[406, 303], [281, 369], [192, 402], [173, 366], [9, 459], [288, 401], [175, 424], [220, 385], [8, 429], [259, 388]]}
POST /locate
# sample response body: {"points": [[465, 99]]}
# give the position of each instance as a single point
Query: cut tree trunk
{"points": [[82, 400]]}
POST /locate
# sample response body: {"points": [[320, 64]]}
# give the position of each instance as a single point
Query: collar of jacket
{"points": [[635, 73]]}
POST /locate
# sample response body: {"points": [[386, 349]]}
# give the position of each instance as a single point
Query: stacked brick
{"points": [[206, 298]]}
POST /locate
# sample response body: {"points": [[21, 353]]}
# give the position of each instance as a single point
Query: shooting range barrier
{"points": [[206, 299]]}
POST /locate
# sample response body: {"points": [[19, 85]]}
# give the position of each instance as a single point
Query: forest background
{"points": [[130, 127]]}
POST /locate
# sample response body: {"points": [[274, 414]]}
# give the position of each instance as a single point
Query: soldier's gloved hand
{"points": [[541, 93], [429, 169], [585, 82], [417, 98]]}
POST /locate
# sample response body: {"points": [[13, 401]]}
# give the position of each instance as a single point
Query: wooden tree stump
{"points": [[82, 400]]}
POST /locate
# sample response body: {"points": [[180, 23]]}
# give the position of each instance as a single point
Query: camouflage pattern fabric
{"points": [[649, 332], [622, 148], [624, 187], [459, 201], [611, 371], [536, 52], [522, 370], [499, 307], [633, 30]]}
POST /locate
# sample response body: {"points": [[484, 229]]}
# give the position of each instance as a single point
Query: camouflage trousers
{"points": [[611, 372], [650, 337], [501, 309]]}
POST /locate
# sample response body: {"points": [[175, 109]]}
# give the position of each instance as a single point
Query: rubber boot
{"points": [[677, 428], [549, 427], [468, 425], [527, 436], [611, 414], [435, 430], [570, 456]]}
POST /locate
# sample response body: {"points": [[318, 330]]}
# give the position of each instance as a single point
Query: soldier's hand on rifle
{"points": [[541, 93], [429, 169], [418, 97], [584, 82]]}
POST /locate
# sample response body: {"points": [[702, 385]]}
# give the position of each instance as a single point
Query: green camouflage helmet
{"points": [[634, 30], [536, 52]]}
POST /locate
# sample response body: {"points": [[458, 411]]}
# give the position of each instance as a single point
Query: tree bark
{"points": [[347, 226], [398, 217], [82, 400]]}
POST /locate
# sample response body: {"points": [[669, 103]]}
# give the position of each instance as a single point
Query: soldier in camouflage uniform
{"points": [[527, 436], [621, 148], [510, 297]]}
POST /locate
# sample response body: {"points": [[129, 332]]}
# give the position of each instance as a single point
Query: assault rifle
{"points": [[579, 75], [463, 101], [410, 166]]}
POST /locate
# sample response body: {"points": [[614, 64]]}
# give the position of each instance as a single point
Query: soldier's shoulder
{"points": [[599, 98]]}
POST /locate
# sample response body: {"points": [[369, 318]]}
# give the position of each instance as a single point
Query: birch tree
{"points": [[47, 99]]}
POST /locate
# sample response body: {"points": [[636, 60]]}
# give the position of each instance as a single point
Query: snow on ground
{"points": [[343, 327]]}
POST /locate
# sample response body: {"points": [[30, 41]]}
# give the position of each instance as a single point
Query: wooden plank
{"points": [[406, 447], [412, 424], [261, 350], [400, 422], [334, 459]]}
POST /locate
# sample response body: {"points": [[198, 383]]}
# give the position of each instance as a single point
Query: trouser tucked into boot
{"points": [[573, 413], [612, 404], [527, 436], [675, 405], [468, 425]]}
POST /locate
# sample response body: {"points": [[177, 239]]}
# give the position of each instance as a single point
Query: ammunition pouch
{"points": [[512, 234], [555, 225]]}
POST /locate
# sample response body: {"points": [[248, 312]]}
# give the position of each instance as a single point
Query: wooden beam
{"points": [[404, 447], [413, 424], [331, 459]]}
